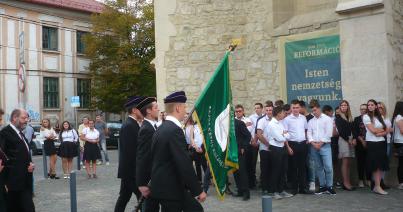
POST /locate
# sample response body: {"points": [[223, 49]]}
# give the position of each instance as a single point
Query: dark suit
{"points": [[173, 181], [243, 137], [143, 163], [127, 163], [16, 176]]}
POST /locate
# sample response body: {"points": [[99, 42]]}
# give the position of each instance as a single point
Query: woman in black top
{"points": [[344, 125]]}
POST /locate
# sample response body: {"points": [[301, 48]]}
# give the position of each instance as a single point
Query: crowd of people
{"points": [[299, 149], [162, 155]]}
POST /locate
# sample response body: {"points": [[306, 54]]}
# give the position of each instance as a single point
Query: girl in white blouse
{"points": [[49, 136], [68, 147], [91, 150]]}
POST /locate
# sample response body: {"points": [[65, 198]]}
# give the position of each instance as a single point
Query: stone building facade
{"points": [[192, 36], [48, 35]]}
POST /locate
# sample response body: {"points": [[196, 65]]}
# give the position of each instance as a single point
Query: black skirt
{"points": [[376, 156], [68, 149], [49, 147], [91, 151]]}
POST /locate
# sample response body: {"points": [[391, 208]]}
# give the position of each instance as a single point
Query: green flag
{"points": [[214, 114]]}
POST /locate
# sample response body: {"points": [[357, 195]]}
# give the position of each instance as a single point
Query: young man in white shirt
{"points": [[253, 147], [262, 133], [320, 129], [296, 125]]}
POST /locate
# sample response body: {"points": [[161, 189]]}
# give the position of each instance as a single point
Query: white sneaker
{"points": [[312, 187], [284, 194], [400, 186], [107, 163], [83, 166], [277, 196], [65, 177], [361, 184], [99, 163]]}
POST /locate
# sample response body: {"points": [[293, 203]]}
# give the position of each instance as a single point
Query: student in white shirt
{"points": [[49, 136], [68, 148], [253, 148], [277, 136], [91, 149], [320, 129], [397, 121], [296, 125], [262, 135], [196, 142], [377, 159]]}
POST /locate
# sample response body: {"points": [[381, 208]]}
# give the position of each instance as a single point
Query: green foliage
{"points": [[121, 48]]}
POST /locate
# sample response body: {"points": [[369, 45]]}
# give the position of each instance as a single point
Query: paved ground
{"points": [[100, 196]]}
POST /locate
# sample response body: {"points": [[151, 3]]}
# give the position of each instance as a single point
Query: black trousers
{"points": [[151, 205], [241, 176], [2, 197], [188, 204], [265, 169], [277, 158], [200, 163], [361, 157], [400, 164], [297, 165], [251, 160], [127, 188], [20, 201]]}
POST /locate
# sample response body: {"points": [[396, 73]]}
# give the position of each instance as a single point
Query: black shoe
{"points": [[383, 186], [348, 189], [294, 192], [338, 185], [246, 196], [321, 190], [304, 191], [56, 177], [331, 191]]}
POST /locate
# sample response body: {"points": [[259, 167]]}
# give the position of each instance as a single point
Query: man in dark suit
{"points": [[243, 137], [18, 169], [149, 109], [174, 184], [127, 154]]}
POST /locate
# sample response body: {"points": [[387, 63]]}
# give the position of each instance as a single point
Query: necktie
{"points": [[24, 140], [155, 126]]}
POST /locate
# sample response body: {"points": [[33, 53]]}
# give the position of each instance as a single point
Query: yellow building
{"points": [[41, 57]]}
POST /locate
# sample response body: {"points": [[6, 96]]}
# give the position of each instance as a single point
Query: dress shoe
{"points": [[246, 196], [348, 189]]}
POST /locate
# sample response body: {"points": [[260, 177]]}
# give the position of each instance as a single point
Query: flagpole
{"points": [[231, 48]]}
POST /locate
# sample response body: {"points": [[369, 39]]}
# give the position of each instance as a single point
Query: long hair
{"points": [[62, 130], [398, 111], [49, 127], [375, 113], [348, 112]]}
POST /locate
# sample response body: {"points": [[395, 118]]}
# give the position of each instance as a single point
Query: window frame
{"points": [[85, 96], [80, 46], [48, 42], [51, 93]]}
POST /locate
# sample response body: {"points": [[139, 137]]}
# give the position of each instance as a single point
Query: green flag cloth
{"points": [[214, 114]]}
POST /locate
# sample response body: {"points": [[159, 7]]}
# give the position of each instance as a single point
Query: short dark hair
{"points": [[279, 102], [302, 103], [1, 112], [15, 113], [269, 103], [314, 103], [327, 108], [239, 106], [296, 101], [143, 110], [287, 107], [130, 109], [99, 114], [277, 110], [260, 104]]}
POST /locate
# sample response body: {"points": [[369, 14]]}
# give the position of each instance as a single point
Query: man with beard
{"points": [[18, 169]]}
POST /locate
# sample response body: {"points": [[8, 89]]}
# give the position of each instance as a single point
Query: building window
{"points": [[49, 38], [83, 91], [50, 92], [80, 42]]}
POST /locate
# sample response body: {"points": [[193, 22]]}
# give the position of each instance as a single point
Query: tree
{"points": [[121, 47]]}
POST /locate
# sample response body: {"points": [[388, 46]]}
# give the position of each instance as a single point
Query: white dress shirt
{"points": [[263, 125], [18, 133], [369, 136], [69, 136], [296, 126], [253, 118], [320, 129], [398, 136], [153, 123], [91, 134], [198, 137], [276, 134], [174, 120]]}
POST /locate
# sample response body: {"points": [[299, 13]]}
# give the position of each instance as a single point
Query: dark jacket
{"points": [[172, 170], [127, 149], [359, 127], [143, 162], [344, 127], [242, 134], [15, 173]]}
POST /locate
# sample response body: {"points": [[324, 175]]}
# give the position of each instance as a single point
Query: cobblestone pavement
{"points": [[99, 195]]}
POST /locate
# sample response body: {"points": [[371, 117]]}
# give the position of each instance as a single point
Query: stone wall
{"points": [[205, 28]]}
